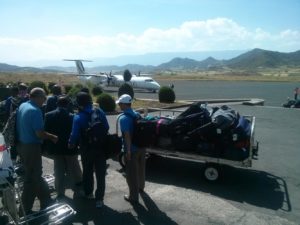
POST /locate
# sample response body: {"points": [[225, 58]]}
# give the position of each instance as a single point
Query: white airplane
{"points": [[109, 80]]}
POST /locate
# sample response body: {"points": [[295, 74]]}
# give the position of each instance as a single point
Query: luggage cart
{"points": [[11, 204], [213, 165]]}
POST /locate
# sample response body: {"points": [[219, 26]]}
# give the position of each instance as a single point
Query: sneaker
{"points": [[99, 204], [89, 196]]}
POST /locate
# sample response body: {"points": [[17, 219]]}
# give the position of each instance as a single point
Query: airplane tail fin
{"points": [[80, 67]]}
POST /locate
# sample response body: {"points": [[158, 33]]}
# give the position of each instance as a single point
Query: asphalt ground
{"points": [[274, 93], [176, 192]]}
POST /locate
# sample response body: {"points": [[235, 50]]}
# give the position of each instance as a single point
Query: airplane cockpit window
{"points": [[148, 80]]}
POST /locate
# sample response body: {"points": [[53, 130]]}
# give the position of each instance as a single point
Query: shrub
{"points": [[106, 102], [97, 91], [126, 89], [78, 85], [50, 86], [166, 94], [4, 93], [39, 84], [68, 87], [73, 92], [127, 75]]}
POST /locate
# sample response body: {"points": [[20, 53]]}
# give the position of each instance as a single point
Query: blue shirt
{"points": [[81, 121], [29, 121], [126, 124]]}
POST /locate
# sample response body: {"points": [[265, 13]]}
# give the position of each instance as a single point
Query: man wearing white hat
{"points": [[135, 157]]}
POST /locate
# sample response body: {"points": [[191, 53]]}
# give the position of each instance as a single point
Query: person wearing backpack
{"points": [[59, 122], [11, 104], [30, 134], [135, 156], [89, 130], [52, 100]]}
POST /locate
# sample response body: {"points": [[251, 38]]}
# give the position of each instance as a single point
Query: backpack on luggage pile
{"points": [[144, 131], [95, 134], [10, 130]]}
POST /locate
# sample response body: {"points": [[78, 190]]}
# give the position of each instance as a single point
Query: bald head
{"points": [[38, 95]]}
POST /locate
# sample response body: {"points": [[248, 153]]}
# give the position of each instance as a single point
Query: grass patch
{"points": [[138, 103]]}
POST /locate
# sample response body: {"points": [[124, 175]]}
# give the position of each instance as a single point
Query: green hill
{"points": [[259, 58]]}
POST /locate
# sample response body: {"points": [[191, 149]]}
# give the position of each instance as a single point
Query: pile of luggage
{"points": [[210, 131]]}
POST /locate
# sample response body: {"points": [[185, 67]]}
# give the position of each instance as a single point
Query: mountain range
{"points": [[251, 60]]}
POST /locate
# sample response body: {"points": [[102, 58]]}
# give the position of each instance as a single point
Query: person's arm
{"points": [[127, 139], [74, 136], [46, 136], [38, 127], [125, 129], [104, 119]]}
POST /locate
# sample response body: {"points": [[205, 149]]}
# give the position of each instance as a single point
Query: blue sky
{"points": [[53, 29]]}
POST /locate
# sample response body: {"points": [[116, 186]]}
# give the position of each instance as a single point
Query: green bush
{"points": [[106, 102], [97, 90], [68, 87], [127, 75], [39, 84], [166, 95], [78, 85], [50, 86], [4, 93], [126, 89], [73, 92]]}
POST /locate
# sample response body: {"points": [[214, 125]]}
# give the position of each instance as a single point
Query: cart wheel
{"points": [[122, 160], [211, 172]]}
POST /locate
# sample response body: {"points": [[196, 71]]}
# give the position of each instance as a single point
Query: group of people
{"points": [[62, 134]]}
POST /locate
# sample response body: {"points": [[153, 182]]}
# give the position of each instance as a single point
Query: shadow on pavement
{"points": [[151, 214], [254, 187], [87, 214]]}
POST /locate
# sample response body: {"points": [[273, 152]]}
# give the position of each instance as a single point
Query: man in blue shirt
{"points": [[92, 157], [135, 157], [30, 132]]}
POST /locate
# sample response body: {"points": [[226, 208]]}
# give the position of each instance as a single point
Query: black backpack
{"points": [[144, 131], [95, 134]]}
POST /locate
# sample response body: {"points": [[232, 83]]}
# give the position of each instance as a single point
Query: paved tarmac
{"points": [[176, 193]]}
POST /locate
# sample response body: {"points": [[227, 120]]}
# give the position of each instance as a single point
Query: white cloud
{"points": [[213, 34]]}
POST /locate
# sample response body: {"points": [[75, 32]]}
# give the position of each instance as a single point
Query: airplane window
{"points": [[148, 80]]}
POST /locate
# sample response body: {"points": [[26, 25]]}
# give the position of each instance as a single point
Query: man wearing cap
{"points": [[59, 122], [135, 157], [30, 133], [92, 158]]}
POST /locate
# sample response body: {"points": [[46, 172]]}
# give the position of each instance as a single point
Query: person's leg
{"points": [[100, 168], [131, 177], [141, 169], [74, 170], [29, 191], [87, 172], [43, 192], [34, 185], [59, 173]]}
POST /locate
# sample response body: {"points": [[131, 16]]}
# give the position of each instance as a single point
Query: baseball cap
{"points": [[126, 99]]}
